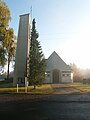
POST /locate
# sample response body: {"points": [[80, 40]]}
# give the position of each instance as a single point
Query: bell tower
{"points": [[22, 50]]}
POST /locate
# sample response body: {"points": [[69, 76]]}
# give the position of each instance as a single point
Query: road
{"points": [[57, 106]]}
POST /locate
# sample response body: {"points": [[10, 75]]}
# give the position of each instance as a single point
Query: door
{"points": [[55, 76]]}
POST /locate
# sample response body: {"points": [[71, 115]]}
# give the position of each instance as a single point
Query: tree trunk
{"points": [[8, 67]]}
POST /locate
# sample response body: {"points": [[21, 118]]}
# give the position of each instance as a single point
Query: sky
{"points": [[63, 26]]}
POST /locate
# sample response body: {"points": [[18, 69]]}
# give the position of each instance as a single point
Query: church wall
{"points": [[67, 77], [48, 77], [63, 77]]}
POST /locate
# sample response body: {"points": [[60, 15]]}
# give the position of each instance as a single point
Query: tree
{"points": [[2, 56], [7, 48], [77, 76], [10, 47], [37, 62], [4, 20]]}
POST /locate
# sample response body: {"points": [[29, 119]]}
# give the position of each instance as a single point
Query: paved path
{"points": [[57, 106], [65, 89]]}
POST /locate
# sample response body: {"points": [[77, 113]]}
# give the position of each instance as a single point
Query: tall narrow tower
{"points": [[22, 50]]}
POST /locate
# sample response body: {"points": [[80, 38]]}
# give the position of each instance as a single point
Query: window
{"points": [[68, 74], [63, 75], [47, 74]]}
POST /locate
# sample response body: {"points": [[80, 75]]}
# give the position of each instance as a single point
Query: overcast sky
{"points": [[63, 26]]}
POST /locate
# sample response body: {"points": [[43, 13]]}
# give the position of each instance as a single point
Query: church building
{"points": [[57, 71]]}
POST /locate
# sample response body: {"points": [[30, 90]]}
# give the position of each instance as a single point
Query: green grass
{"points": [[43, 89]]}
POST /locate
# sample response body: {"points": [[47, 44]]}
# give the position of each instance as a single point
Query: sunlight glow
{"points": [[78, 48]]}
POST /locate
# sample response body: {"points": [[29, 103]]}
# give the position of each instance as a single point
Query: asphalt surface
{"points": [[57, 106]]}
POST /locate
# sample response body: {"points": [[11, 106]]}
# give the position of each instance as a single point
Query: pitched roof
{"points": [[55, 62]]}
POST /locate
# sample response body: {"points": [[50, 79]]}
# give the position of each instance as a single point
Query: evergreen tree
{"points": [[37, 62]]}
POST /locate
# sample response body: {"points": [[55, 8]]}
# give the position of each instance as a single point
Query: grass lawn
{"points": [[43, 89], [85, 88]]}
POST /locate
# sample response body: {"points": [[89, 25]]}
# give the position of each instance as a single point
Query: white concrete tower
{"points": [[22, 50]]}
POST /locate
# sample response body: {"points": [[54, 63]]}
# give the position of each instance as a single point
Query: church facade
{"points": [[57, 71]]}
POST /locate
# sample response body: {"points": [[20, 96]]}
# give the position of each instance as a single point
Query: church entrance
{"points": [[55, 76]]}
